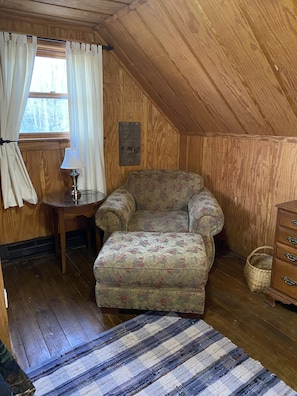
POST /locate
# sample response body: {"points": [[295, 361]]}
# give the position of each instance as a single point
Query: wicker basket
{"points": [[257, 270]]}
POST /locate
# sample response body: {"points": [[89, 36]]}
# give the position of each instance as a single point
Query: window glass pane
{"points": [[45, 115], [49, 75]]}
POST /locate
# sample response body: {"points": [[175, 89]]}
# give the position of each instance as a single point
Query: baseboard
{"points": [[38, 246]]}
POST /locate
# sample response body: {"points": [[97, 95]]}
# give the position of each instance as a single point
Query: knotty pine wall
{"points": [[123, 101]]}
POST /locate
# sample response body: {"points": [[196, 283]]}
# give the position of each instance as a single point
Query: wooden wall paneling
{"points": [[183, 151], [238, 87], [80, 14], [252, 182], [142, 68], [162, 141], [283, 170], [248, 199], [24, 223], [274, 24], [186, 102], [30, 221], [112, 99], [53, 12], [53, 30], [125, 101], [43, 164], [244, 51], [200, 38], [248, 177], [134, 105], [187, 75]]}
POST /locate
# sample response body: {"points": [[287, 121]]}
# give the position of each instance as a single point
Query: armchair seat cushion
{"points": [[159, 221]]}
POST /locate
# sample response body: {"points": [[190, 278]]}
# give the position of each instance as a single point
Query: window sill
{"points": [[44, 136], [43, 141]]}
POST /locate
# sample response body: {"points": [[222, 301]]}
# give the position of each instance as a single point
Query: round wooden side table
{"points": [[64, 207]]}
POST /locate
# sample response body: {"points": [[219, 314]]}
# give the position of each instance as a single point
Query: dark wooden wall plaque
{"points": [[129, 143]]}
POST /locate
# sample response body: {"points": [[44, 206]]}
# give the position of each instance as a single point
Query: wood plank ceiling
{"points": [[213, 67], [75, 13]]}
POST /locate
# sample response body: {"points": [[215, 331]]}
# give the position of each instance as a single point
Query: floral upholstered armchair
{"points": [[159, 200]]}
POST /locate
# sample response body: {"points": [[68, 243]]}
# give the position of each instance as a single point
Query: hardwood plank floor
{"points": [[50, 313]]}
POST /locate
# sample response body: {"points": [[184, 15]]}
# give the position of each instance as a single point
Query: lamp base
{"points": [[75, 193]]}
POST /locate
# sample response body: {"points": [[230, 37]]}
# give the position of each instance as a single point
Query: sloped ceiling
{"points": [[212, 66], [86, 14]]}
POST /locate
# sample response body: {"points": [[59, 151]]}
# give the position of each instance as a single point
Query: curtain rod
{"points": [[107, 47], [2, 141]]}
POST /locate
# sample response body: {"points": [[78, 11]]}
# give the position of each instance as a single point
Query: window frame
{"points": [[48, 49]]}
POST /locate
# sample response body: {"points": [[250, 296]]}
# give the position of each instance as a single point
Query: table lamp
{"points": [[73, 161]]}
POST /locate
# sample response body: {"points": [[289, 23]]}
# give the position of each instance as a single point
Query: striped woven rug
{"points": [[157, 354]]}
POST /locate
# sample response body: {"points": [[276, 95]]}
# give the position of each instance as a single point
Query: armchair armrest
{"points": [[205, 214], [116, 211]]}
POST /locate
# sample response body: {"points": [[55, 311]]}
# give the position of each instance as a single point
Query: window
{"points": [[47, 106]]}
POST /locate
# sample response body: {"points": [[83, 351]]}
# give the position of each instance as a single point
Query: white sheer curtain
{"points": [[16, 67], [85, 98]]}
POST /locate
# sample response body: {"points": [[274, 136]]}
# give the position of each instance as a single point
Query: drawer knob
{"points": [[291, 257], [292, 240], [289, 281], [294, 222]]}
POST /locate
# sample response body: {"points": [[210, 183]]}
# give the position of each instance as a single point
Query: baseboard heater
{"points": [[39, 246]]}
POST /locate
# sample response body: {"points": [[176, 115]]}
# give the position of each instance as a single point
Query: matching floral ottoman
{"points": [[152, 271]]}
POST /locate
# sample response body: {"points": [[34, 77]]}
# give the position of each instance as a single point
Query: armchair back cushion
{"points": [[158, 189]]}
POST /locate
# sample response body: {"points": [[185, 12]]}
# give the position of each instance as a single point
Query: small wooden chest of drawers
{"points": [[283, 285]]}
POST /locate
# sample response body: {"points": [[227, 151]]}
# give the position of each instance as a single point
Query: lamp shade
{"points": [[72, 159]]}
